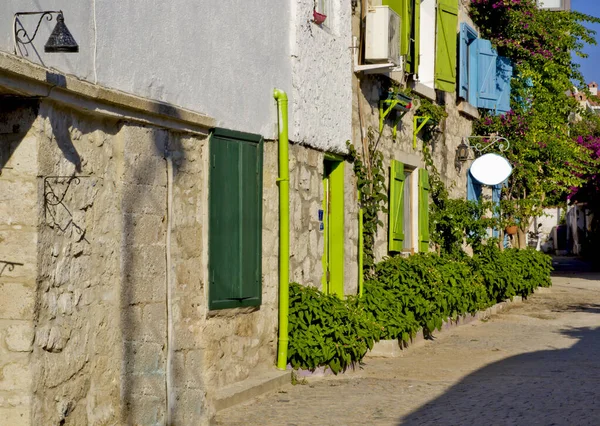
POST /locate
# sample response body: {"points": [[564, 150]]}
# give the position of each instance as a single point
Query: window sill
{"points": [[469, 110], [423, 90]]}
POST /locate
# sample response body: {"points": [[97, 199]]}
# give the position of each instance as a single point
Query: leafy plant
{"points": [[403, 295], [370, 177]]}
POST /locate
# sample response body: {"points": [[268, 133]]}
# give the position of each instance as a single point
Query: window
{"points": [[235, 219], [410, 31], [324, 7], [555, 4], [484, 77], [408, 213], [407, 225]]}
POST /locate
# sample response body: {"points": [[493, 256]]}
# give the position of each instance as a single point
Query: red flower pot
{"points": [[318, 18]]}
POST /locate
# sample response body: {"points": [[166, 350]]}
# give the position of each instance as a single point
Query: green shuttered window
{"points": [[235, 219], [410, 28], [396, 212], [445, 60], [423, 210]]}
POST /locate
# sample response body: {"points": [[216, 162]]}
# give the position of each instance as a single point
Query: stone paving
{"points": [[537, 363]]}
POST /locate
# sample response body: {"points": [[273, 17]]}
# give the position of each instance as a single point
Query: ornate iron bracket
{"points": [[502, 144], [463, 151], [21, 35], [8, 265], [53, 198]]}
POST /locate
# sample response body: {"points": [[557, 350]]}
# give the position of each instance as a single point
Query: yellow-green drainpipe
{"points": [[284, 228]]}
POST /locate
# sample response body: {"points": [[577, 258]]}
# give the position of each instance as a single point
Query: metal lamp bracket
{"points": [[417, 127], [502, 144]]}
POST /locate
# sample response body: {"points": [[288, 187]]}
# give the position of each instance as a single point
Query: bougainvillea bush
{"points": [[547, 161]]}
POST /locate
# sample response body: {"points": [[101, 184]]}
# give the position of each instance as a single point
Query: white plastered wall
{"points": [[322, 77]]}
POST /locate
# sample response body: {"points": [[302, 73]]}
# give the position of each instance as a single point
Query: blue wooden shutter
{"points": [[487, 95], [473, 188], [496, 194], [463, 62], [504, 72]]}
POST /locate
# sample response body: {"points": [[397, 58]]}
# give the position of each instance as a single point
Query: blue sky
{"points": [[590, 67]]}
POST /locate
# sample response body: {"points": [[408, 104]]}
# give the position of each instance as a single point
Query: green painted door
{"points": [[333, 227]]}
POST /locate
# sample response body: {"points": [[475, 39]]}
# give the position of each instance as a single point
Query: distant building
{"points": [[555, 4]]}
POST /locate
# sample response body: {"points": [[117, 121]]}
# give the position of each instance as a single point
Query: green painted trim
{"points": [[333, 222], [284, 228], [234, 134], [325, 258], [333, 157], [361, 245]]}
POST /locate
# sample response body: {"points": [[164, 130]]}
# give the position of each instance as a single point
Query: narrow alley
{"points": [[535, 363]]}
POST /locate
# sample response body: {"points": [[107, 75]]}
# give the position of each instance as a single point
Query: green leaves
{"points": [[402, 296]]}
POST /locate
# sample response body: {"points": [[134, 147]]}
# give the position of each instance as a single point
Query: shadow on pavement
{"points": [[550, 387], [570, 266]]}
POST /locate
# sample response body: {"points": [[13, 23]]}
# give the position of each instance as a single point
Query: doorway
{"points": [[333, 227]]}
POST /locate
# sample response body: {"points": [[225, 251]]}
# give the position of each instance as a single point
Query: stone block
{"points": [[16, 375], [144, 358], [145, 229], [144, 169], [16, 416], [144, 199], [143, 260], [146, 384], [154, 326], [190, 408], [18, 202], [17, 301], [144, 410], [19, 337]]}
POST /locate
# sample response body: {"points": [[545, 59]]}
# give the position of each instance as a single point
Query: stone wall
{"points": [[85, 211], [84, 319], [443, 147], [18, 244]]}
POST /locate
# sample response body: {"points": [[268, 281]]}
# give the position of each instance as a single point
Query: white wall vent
{"points": [[383, 36]]}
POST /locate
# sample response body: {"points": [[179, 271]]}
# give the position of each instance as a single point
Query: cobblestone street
{"points": [[536, 363]]}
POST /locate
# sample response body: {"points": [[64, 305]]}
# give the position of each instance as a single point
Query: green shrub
{"points": [[326, 330], [402, 296], [511, 272]]}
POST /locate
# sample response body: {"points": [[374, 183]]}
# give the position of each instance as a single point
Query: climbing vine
{"points": [[370, 177]]}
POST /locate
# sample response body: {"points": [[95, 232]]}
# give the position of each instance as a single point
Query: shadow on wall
{"points": [[553, 387], [17, 115]]}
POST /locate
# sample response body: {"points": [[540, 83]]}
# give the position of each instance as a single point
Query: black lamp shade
{"points": [[462, 152], [61, 39]]}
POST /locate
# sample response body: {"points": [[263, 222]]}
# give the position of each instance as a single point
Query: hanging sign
{"points": [[491, 169]]}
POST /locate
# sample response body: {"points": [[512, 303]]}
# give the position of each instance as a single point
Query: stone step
{"points": [[255, 385]]}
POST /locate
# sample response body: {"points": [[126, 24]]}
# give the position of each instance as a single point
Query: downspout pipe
{"points": [[284, 228], [361, 245]]}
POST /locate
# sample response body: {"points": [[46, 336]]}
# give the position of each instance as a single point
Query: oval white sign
{"points": [[491, 169]]}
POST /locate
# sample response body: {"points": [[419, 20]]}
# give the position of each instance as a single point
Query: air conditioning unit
{"points": [[383, 36]]}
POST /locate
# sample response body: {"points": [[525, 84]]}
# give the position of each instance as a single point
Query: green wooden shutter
{"points": [[404, 8], [423, 210], [396, 207], [416, 36], [235, 220], [445, 59]]}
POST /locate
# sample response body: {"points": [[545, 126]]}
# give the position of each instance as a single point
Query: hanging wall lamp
{"points": [[463, 150], [60, 40]]}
